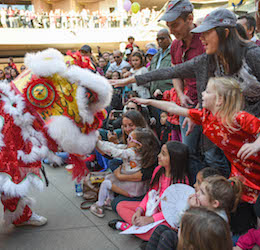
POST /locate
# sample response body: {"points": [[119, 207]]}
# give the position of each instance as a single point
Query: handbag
{"points": [[91, 185]]}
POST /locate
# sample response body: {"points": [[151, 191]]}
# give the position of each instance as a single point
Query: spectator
{"points": [[22, 68], [161, 60], [179, 19], [2, 75], [149, 55], [111, 59], [7, 71], [119, 63], [249, 23], [11, 63], [131, 45], [138, 68], [150, 45], [202, 229], [102, 68], [86, 50], [241, 31], [128, 53], [14, 73]]}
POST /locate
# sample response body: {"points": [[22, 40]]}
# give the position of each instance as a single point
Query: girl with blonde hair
{"points": [[232, 130]]}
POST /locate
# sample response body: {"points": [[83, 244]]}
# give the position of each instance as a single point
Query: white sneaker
{"points": [[35, 220]]}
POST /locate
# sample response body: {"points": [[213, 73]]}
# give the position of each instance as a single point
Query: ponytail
{"points": [[226, 192], [237, 187]]}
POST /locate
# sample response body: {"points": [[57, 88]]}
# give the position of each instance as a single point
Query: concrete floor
{"points": [[68, 226]]}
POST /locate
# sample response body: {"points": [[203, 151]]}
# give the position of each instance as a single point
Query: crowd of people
{"points": [[194, 123], [71, 19]]}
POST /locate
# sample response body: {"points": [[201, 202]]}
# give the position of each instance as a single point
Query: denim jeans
{"points": [[114, 163], [192, 141], [215, 158]]}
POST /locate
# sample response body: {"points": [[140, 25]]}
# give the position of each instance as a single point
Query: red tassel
{"points": [[80, 169]]}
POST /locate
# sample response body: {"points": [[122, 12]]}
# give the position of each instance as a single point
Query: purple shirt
{"points": [[180, 54]]}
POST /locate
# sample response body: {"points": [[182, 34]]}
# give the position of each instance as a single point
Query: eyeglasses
{"points": [[116, 57], [131, 139], [160, 38], [127, 108]]}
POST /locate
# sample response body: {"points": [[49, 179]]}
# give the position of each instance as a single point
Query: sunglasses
{"points": [[131, 139], [160, 38], [116, 57], [127, 108]]}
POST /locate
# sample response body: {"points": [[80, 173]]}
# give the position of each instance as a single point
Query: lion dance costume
{"points": [[55, 104]]}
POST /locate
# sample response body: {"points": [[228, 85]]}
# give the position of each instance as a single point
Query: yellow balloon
{"points": [[135, 7]]}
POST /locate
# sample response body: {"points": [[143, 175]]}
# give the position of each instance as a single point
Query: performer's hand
{"points": [[188, 122], [143, 220], [247, 150], [122, 82]]}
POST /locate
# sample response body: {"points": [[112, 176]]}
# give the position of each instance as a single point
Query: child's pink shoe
{"points": [[96, 210]]}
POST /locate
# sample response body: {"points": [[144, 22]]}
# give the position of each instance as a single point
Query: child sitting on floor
{"points": [[140, 152]]}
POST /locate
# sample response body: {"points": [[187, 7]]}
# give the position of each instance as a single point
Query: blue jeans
{"points": [[114, 163], [215, 158], [192, 141], [63, 155]]}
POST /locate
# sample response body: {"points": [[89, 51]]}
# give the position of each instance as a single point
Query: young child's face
{"points": [[163, 118], [131, 40], [164, 157], [209, 97], [199, 180], [203, 197], [132, 141], [115, 76], [136, 61]]}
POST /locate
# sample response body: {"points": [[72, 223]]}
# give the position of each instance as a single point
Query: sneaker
{"points": [[96, 210], [112, 223], [35, 220]]}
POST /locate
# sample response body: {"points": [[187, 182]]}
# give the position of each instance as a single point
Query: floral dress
{"points": [[247, 128]]}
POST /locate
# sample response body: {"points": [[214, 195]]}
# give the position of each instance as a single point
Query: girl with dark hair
{"points": [[138, 68], [14, 73], [173, 168], [140, 152]]}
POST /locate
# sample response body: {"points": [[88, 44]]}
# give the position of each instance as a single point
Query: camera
{"points": [[117, 113]]}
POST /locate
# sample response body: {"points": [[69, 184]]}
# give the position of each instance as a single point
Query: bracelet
{"points": [[140, 209]]}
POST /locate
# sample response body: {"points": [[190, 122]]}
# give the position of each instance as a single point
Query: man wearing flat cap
{"points": [[179, 19]]}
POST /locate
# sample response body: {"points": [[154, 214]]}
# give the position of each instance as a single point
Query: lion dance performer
{"points": [[55, 103]]}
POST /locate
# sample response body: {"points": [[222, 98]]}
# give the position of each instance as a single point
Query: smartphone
{"points": [[117, 113]]}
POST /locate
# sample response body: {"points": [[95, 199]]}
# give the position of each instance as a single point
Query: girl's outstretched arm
{"points": [[249, 149], [122, 82], [169, 107]]}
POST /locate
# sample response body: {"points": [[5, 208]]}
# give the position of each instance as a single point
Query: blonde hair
{"points": [[229, 90]]}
